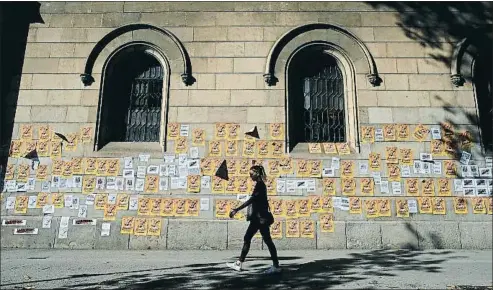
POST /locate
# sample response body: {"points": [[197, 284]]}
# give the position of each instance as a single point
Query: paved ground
{"points": [[383, 269]]}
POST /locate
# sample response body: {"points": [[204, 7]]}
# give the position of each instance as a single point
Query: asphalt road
{"points": [[383, 269]]}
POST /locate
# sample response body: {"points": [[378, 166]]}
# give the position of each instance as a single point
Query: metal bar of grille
{"points": [[323, 114]]}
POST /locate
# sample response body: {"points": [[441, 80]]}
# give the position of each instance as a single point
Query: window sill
{"points": [[300, 151], [120, 149]]}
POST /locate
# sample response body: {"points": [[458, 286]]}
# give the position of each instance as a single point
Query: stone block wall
{"points": [[228, 44]]}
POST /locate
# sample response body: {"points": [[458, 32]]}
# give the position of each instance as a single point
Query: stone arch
{"points": [[165, 42], [291, 40]]}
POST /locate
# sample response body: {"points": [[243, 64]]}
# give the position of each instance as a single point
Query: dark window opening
{"points": [[316, 99], [132, 99], [482, 81]]}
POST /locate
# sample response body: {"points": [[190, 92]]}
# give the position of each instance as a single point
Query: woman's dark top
{"points": [[258, 200]]}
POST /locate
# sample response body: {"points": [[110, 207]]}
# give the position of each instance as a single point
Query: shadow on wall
{"points": [[318, 274], [15, 19]]}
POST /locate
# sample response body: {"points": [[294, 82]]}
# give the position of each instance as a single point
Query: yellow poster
{"points": [[233, 203], [21, 202], [155, 206], [274, 169], [26, 132], [315, 203], [348, 186], [343, 148], [393, 172], [315, 168], [292, 228], [460, 205], [220, 132], [402, 208], [327, 205], [193, 183], [437, 148], [347, 168], [10, 171], [206, 166], [90, 166], [193, 206], [144, 206], [276, 230], [406, 156], [198, 137], [374, 162], [180, 207], [389, 132], [329, 148], [151, 184], [167, 207], [444, 187], [101, 165], [112, 167], [277, 207], [154, 226], [249, 148], [122, 200], [465, 140], [392, 155], [421, 132], [44, 133], [329, 186], [243, 167], [447, 129], [315, 148], [450, 168], [110, 212], [327, 223], [263, 149], [276, 149], [67, 168], [127, 225], [58, 199], [100, 200], [302, 169], [88, 184], [271, 184], [367, 186], [43, 148], [367, 134], [231, 148], [23, 172], [86, 134], [233, 132], [412, 187], [276, 131], [425, 205], [478, 205], [140, 226], [384, 209], [371, 208], [439, 206], [44, 198], [231, 185], [15, 148], [355, 205], [222, 208], [291, 208], [29, 146], [217, 185], [286, 165], [215, 148], [181, 145], [173, 131], [489, 205], [304, 207], [57, 167], [403, 132], [450, 148], [55, 149], [77, 166], [428, 188], [244, 185], [71, 145], [307, 229]]}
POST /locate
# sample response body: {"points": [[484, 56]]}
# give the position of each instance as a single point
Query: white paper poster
{"points": [[205, 182], [33, 199], [184, 129], [363, 168], [90, 199], [105, 229], [112, 198], [144, 157], [281, 185], [204, 204], [10, 204], [328, 172], [194, 152], [47, 221], [128, 162], [63, 230], [336, 162], [412, 205], [82, 211], [49, 208], [133, 203], [384, 186], [405, 171], [163, 183]]}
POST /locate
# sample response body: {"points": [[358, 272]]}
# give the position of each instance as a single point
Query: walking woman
{"points": [[260, 219]]}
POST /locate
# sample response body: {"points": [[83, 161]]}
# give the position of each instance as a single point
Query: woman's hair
{"points": [[259, 172]]}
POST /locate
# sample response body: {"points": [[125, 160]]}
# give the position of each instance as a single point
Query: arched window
{"points": [[482, 78], [316, 103], [132, 100]]}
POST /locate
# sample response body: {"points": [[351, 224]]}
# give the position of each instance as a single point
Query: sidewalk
{"points": [[383, 269]]}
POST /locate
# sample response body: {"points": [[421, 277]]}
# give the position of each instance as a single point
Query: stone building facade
{"points": [[141, 81]]}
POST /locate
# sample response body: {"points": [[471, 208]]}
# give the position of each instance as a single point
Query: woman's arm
{"points": [[245, 204]]}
